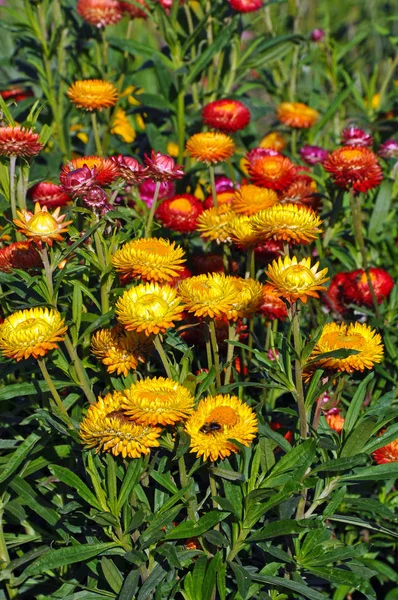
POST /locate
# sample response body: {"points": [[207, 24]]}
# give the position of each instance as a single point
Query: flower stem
{"points": [[213, 339], [355, 205], [13, 200], [97, 138], [163, 356], [230, 351], [213, 489], [180, 124], [48, 272], [4, 556], [104, 284], [63, 412], [213, 185], [148, 228], [184, 482], [298, 371], [80, 371]]}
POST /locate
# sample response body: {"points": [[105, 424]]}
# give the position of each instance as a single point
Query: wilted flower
{"points": [[313, 155], [353, 136], [162, 167], [226, 115], [17, 141]]}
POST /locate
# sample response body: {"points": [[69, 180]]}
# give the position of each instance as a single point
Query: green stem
{"points": [[13, 200], [163, 356], [148, 228], [293, 143], [299, 373], [104, 284], [180, 124], [80, 371], [97, 138], [63, 412], [213, 339], [356, 211], [213, 185], [230, 351], [4, 556], [213, 489], [48, 272], [184, 482]]}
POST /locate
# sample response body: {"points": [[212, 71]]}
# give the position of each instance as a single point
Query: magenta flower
{"points": [[163, 167], [130, 169], [77, 182], [147, 191], [353, 136], [313, 155], [317, 35], [389, 149]]}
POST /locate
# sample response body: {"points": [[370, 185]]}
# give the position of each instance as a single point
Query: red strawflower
{"points": [[20, 255], [16, 93], [275, 172], [208, 263], [133, 10], [49, 194], [246, 6], [99, 171], [130, 169], [302, 193], [163, 167], [100, 13], [272, 305], [335, 420], [354, 167], [180, 213], [387, 453], [226, 115], [17, 141], [335, 297], [382, 284]]}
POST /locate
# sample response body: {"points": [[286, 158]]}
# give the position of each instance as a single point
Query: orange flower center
{"points": [[298, 276], [80, 162], [34, 328], [224, 197], [351, 154], [271, 168], [227, 107], [158, 249], [158, 397], [43, 223], [224, 415], [364, 280], [181, 204], [150, 306], [335, 339]]}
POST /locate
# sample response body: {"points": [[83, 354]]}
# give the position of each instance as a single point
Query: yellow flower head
{"points": [[149, 307], [213, 223], [240, 232], [121, 126], [120, 350], [150, 259], [296, 280], [42, 226], [356, 336], [212, 295], [217, 421], [296, 114], [107, 428], [290, 223], [248, 298], [93, 94], [273, 141], [31, 332], [211, 147], [158, 401], [250, 199]]}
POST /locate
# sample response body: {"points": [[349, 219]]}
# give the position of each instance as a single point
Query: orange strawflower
{"points": [[387, 453], [210, 147], [273, 141], [296, 114], [274, 172], [92, 94], [335, 420], [250, 199], [42, 226]]}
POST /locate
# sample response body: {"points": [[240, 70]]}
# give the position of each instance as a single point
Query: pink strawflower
{"points": [[163, 167], [313, 155], [354, 136]]}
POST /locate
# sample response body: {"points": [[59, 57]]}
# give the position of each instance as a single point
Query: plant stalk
{"points": [[163, 356], [298, 371], [148, 228], [213, 339], [97, 138], [213, 185], [47, 378], [84, 380]]}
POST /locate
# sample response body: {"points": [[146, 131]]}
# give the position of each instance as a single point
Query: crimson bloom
{"points": [[226, 115], [16, 93], [180, 213], [354, 167], [20, 255], [133, 10], [245, 6], [49, 194], [130, 169], [18, 141], [100, 13], [353, 136], [275, 172], [163, 167], [83, 172]]}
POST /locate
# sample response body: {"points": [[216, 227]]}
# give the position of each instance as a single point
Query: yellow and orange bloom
{"points": [[225, 197], [211, 295], [226, 115], [107, 428], [290, 223], [32, 332], [93, 94], [158, 401], [42, 226], [248, 298], [210, 147], [274, 172], [335, 420], [218, 420], [273, 141], [250, 199], [122, 127], [297, 280], [152, 259], [149, 308], [213, 223], [18, 141], [120, 350], [355, 336], [100, 13], [354, 167], [241, 233], [297, 115]]}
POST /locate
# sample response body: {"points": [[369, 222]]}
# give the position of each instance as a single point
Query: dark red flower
{"points": [[130, 169], [16, 93], [273, 307], [180, 213], [96, 198], [382, 283], [20, 255], [285, 431], [18, 141], [268, 251], [163, 167], [90, 170], [49, 194], [246, 6], [133, 10], [354, 167], [226, 115]]}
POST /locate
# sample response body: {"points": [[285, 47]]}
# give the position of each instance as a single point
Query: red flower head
{"points": [[272, 305], [268, 251], [276, 426], [183, 274], [162, 167], [335, 297], [88, 171], [133, 10], [180, 213], [147, 191], [354, 167], [245, 6], [382, 284], [226, 115], [100, 13], [353, 136], [130, 169], [49, 194], [209, 263], [387, 453], [17, 141], [275, 172], [302, 193], [17, 94], [260, 152], [222, 198], [20, 255], [95, 198]]}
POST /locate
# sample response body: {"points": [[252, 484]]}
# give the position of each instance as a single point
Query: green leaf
{"points": [[282, 527], [130, 586], [295, 457], [17, 457], [358, 437], [331, 111], [54, 559], [72, 480], [223, 39], [300, 588], [17, 390], [151, 584], [34, 501], [380, 210], [375, 473], [195, 529], [362, 523], [134, 471], [388, 436], [112, 574], [142, 50], [356, 404], [243, 579]]}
